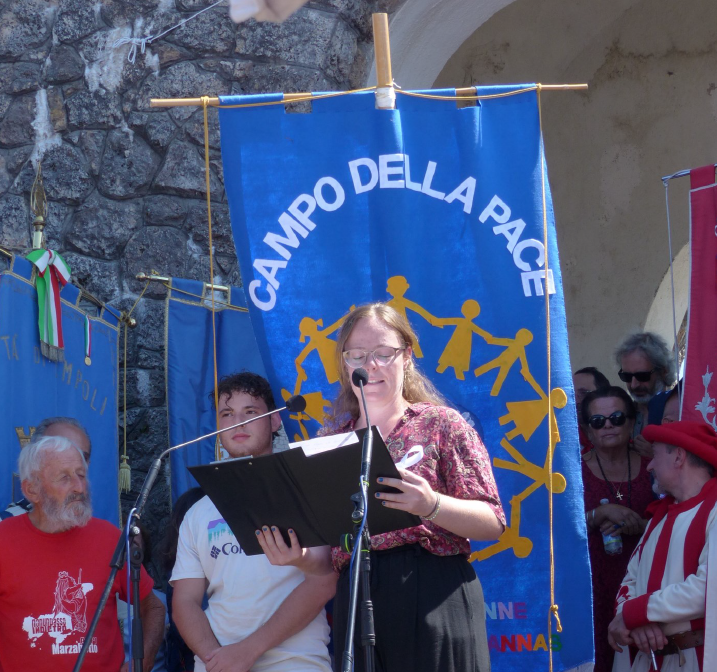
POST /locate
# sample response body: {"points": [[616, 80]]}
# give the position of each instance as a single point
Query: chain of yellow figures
{"points": [[522, 419]]}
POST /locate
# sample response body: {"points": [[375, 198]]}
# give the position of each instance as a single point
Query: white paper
{"points": [[323, 443]]}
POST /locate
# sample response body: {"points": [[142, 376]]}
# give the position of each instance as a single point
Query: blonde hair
{"points": [[416, 386]]}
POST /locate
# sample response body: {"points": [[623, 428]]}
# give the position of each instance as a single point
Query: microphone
{"points": [[295, 404], [359, 377]]}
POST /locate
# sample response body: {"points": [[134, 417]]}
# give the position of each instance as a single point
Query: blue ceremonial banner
{"points": [[443, 212], [35, 388], [190, 367]]}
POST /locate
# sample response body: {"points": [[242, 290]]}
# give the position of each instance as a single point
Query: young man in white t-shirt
{"points": [[259, 617]]}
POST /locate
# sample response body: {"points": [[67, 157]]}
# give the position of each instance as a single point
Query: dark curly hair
{"points": [[246, 382]]}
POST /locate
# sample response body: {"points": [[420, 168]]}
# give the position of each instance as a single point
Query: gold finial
{"points": [[38, 205]]}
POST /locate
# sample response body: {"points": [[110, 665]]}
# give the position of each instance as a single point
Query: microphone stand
{"points": [[361, 568], [294, 404]]}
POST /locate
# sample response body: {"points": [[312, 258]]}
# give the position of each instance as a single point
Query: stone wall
{"points": [[126, 183]]}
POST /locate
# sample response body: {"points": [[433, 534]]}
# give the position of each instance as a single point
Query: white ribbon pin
{"points": [[413, 456]]}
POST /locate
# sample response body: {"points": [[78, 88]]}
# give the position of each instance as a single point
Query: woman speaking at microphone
{"points": [[428, 603]]}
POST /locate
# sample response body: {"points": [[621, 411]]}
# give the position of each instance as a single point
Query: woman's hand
{"points": [[309, 560], [416, 495], [277, 552], [607, 516]]}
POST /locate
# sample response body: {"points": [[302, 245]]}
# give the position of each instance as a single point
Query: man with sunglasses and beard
{"points": [[647, 367], [665, 608], [54, 564], [617, 492]]}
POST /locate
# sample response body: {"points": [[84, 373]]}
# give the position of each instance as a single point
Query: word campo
{"points": [[391, 171]]}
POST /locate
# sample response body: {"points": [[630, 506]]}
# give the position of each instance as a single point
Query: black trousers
{"points": [[429, 614]]}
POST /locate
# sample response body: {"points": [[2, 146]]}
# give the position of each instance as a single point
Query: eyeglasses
{"points": [[617, 419], [642, 376], [383, 356]]}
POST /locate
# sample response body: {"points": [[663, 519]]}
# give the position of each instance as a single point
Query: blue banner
{"points": [[443, 212], [35, 388], [190, 367]]}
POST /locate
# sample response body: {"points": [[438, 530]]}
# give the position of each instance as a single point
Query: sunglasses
{"points": [[642, 376], [617, 419]]}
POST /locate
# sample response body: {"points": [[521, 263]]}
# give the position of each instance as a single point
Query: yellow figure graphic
{"points": [[528, 415], [539, 475], [397, 286], [319, 341], [457, 353], [522, 418], [514, 351], [522, 546]]}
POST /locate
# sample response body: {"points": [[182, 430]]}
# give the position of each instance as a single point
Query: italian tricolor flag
{"points": [[52, 275]]}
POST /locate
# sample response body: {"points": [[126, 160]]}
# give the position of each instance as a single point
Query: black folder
{"points": [[309, 493]]}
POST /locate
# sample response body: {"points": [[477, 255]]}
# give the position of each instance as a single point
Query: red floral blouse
{"points": [[455, 463]]}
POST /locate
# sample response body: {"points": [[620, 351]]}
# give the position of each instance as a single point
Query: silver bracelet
{"points": [[436, 508]]}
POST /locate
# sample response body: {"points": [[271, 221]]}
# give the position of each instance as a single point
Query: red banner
{"points": [[700, 390]]}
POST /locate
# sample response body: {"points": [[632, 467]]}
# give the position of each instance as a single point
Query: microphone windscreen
{"points": [[359, 377], [296, 404]]}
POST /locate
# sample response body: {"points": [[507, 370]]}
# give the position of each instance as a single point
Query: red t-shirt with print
{"points": [[50, 586]]}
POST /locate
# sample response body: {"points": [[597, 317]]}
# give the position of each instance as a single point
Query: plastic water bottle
{"points": [[613, 545]]}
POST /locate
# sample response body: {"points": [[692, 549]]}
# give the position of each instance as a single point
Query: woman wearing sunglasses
{"points": [[615, 472]]}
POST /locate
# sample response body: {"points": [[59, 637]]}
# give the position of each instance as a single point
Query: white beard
{"points": [[73, 513]]}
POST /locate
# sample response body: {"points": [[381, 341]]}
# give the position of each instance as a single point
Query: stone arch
{"points": [[659, 317]]}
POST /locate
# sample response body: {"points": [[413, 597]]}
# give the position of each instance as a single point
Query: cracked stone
{"points": [[287, 41], [165, 210], [15, 218], [57, 215], [96, 109], [209, 33], [65, 175], [63, 65], [157, 248], [183, 173], [128, 165], [92, 144], [145, 387], [16, 127], [195, 129], [20, 78], [99, 278], [101, 227], [25, 25], [160, 130], [262, 77], [197, 227], [75, 20], [150, 324]]}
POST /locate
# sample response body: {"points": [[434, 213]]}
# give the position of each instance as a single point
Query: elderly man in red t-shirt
{"points": [[52, 580]]}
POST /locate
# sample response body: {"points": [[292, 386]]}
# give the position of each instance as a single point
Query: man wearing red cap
{"points": [[665, 613]]}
